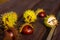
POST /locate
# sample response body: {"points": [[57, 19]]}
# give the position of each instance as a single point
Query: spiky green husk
{"points": [[46, 19]]}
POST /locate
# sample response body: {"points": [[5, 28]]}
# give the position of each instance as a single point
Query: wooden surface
{"points": [[40, 31]]}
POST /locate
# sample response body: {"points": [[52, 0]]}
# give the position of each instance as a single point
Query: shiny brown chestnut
{"points": [[42, 14], [27, 29], [10, 33]]}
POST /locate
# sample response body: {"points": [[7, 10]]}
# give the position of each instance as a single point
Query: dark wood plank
{"points": [[20, 6]]}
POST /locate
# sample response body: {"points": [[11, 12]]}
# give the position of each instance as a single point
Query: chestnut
{"points": [[10, 32], [42, 14], [27, 29]]}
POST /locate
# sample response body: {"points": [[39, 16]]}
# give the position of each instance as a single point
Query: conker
{"points": [[10, 32], [27, 29], [42, 14]]}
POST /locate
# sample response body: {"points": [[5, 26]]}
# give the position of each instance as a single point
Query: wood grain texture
{"points": [[40, 31]]}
